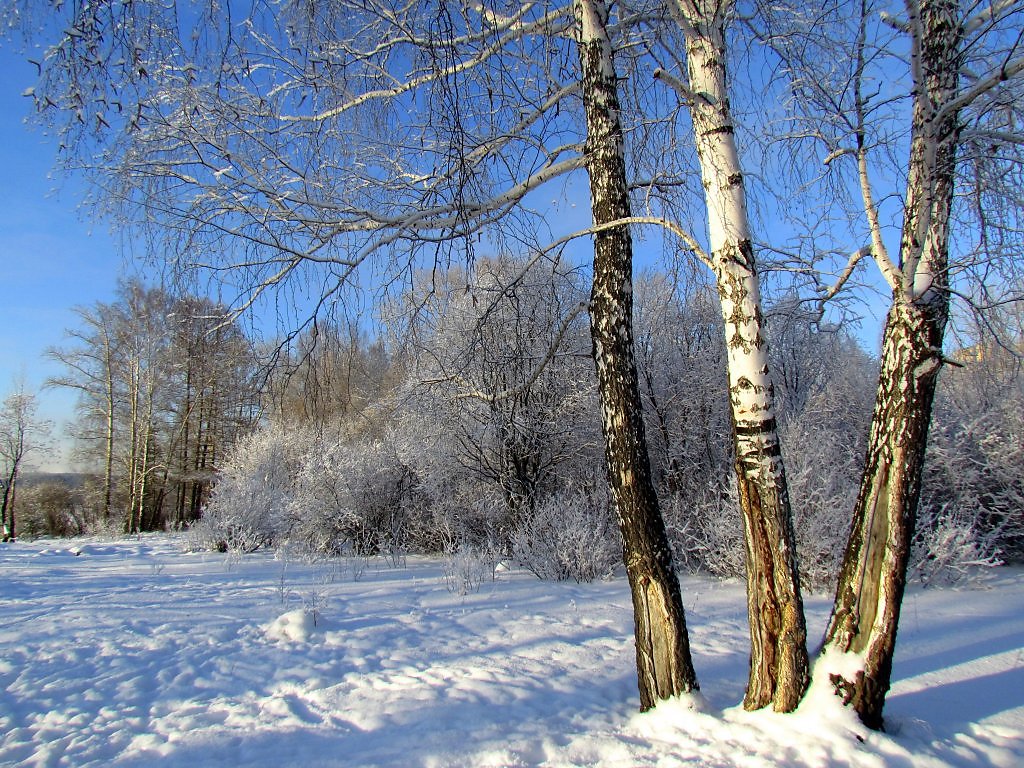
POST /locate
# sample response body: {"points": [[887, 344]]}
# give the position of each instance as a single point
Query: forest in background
{"points": [[401, 441]]}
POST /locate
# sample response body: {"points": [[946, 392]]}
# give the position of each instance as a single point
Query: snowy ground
{"points": [[122, 653]]}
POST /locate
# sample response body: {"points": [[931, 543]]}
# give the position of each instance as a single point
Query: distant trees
{"points": [[164, 385], [22, 432]]}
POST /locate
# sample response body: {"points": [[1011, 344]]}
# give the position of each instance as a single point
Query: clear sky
{"points": [[53, 257]]}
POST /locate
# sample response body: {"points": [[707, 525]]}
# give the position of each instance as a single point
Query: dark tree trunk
{"points": [[873, 577], [664, 666], [10, 488]]}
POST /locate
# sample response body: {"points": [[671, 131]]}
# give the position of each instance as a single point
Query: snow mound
{"points": [[295, 626]]}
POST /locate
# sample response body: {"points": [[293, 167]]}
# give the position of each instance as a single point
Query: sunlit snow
{"points": [[131, 652]]}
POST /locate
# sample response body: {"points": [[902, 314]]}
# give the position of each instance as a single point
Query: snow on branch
{"points": [[513, 29], [829, 293], [535, 374], [681, 88], [988, 15], [1009, 71]]}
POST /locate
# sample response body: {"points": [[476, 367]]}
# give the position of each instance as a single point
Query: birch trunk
{"points": [[664, 665], [133, 459], [110, 397], [10, 532], [778, 655], [872, 580]]}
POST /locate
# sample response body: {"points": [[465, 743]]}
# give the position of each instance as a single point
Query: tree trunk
{"points": [[9, 532], [108, 470], [10, 496], [873, 576], [778, 636], [664, 666], [133, 458]]}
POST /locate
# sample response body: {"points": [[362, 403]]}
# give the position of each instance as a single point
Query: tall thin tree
{"points": [[664, 665], [778, 660]]}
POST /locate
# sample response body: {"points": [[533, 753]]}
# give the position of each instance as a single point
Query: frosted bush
{"points": [[353, 497], [822, 490], [248, 508], [975, 464], [705, 530], [569, 536], [950, 549], [467, 567]]}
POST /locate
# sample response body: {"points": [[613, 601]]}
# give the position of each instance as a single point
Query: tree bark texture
{"points": [[10, 532], [778, 658], [873, 576], [664, 665]]}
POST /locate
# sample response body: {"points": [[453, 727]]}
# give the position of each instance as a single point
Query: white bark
{"points": [[779, 666]]}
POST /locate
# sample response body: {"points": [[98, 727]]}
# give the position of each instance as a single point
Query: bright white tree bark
{"points": [[778, 664]]}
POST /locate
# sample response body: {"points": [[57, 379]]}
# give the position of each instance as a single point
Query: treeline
{"points": [[166, 385], [471, 424]]}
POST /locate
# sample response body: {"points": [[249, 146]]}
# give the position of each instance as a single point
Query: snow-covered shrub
{"points": [[353, 497], [974, 469], [825, 386], [501, 394], [49, 509], [823, 471], [249, 506], [570, 535], [950, 549], [467, 567], [705, 529]]}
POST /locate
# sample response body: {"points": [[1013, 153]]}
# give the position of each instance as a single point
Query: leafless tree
{"points": [[21, 433], [695, 69], [297, 146], [939, 80]]}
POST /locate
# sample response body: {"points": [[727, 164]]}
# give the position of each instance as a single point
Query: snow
{"points": [[130, 652]]}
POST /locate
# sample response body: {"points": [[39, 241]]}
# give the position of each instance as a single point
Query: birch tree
{"points": [[870, 589], [89, 370], [662, 645], [21, 433], [778, 661], [959, 66], [162, 387]]}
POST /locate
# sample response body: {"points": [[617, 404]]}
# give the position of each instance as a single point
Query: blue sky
{"points": [[53, 258]]}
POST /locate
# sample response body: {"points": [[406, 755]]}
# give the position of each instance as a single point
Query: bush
{"points": [[950, 549], [569, 536], [467, 567], [354, 497], [255, 487], [49, 509], [706, 531]]}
